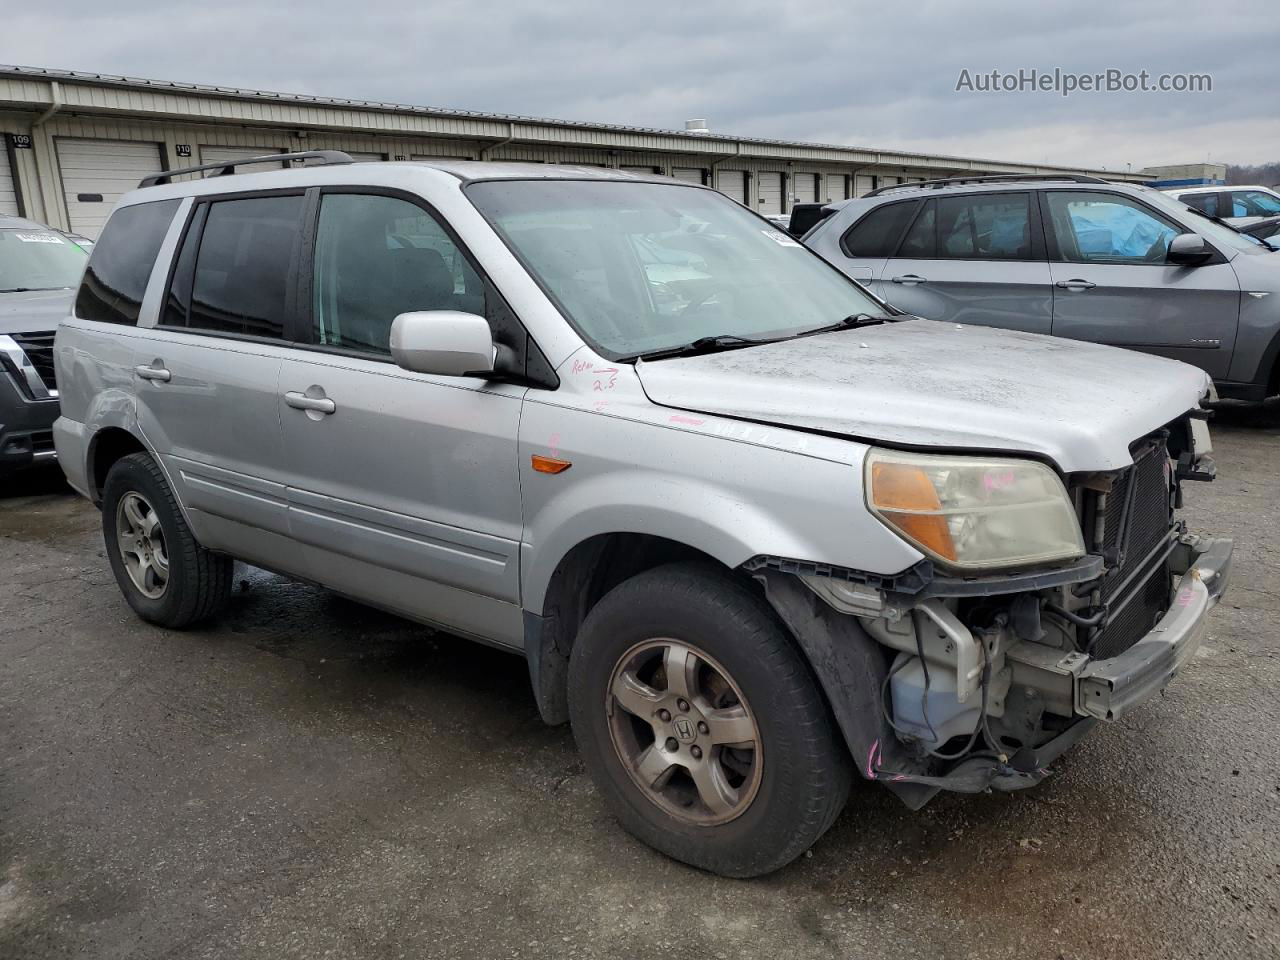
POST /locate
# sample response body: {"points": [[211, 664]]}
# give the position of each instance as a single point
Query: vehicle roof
{"points": [[406, 174], [19, 223], [1220, 187], [911, 190]]}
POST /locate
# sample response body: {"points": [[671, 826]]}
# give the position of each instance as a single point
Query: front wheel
{"points": [[702, 725]]}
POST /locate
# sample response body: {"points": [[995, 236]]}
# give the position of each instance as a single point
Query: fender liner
{"points": [[548, 667], [851, 667]]}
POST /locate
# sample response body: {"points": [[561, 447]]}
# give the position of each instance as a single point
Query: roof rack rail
{"points": [[226, 168], [995, 178]]}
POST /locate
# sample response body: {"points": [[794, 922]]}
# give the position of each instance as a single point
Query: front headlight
{"points": [[974, 513]]}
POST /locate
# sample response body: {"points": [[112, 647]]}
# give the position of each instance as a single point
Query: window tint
{"points": [[121, 262], [177, 304], [921, 240], [877, 234], [985, 227], [1254, 203], [378, 257], [242, 271], [1204, 202], [1107, 228]]}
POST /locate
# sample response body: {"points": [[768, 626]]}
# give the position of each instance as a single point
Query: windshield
{"points": [[645, 267], [38, 260], [1226, 238]]}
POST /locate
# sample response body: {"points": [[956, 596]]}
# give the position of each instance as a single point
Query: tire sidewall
{"points": [[734, 634]]}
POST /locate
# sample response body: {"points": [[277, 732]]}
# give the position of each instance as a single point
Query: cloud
{"points": [[808, 70]]}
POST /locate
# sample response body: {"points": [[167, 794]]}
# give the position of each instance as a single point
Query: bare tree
{"points": [[1267, 174]]}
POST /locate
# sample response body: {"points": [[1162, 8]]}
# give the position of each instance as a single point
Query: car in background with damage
{"points": [[39, 271], [754, 533], [1073, 256]]}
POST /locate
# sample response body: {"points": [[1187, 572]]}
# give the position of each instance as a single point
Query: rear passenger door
{"points": [[206, 377], [973, 258], [869, 243], [1113, 285], [403, 487]]}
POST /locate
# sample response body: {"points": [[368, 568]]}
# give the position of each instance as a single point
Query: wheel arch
{"points": [[582, 575], [108, 445]]}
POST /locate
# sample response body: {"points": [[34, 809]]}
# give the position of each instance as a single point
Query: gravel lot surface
{"points": [[309, 778]]}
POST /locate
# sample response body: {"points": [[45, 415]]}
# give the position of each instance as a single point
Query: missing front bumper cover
{"points": [[1108, 689]]}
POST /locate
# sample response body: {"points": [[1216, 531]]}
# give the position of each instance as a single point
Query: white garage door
{"points": [[863, 186], [806, 188], [732, 183], [632, 168], [96, 173], [233, 154], [8, 191], [687, 174], [770, 192]]}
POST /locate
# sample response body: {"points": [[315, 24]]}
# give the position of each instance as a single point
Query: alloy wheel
{"points": [[140, 541], [684, 732]]}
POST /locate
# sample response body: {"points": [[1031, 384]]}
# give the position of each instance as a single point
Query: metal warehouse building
{"points": [[74, 142]]}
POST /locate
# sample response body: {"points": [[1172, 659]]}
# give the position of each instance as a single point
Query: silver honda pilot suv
{"points": [[755, 532]]}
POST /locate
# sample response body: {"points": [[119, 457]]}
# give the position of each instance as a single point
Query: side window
{"points": [[1254, 203], [921, 241], [1108, 228], [377, 257], [1206, 203], [877, 234], [243, 267], [116, 276], [985, 227]]}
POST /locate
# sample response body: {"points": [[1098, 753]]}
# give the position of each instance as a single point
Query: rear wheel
{"points": [[164, 574], [702, 725]]}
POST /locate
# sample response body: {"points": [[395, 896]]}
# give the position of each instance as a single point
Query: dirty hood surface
{"points": [[34, 311], [920, 383]]}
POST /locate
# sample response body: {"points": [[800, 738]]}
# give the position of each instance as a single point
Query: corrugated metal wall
{"points": [[40, 191]]}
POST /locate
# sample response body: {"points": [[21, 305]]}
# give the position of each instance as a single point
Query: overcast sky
{"points": [[881, 75]]}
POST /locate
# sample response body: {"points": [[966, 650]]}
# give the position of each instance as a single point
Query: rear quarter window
{"points": [[121, 262], [877, 234]]}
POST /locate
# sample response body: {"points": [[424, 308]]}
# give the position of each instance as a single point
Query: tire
{"points": [[196, 582], [771, 800]]}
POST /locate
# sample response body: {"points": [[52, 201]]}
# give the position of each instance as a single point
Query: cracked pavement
{"points": [[306, 777]]}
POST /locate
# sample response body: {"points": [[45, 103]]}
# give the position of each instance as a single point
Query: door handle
{"points": [[1075, 285], [909, 280], [300, 401], [153, 373]]}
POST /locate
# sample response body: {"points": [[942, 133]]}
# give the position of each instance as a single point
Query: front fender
{"points": [[728, 499]]}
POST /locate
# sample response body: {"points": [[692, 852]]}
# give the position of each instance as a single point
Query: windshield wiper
{"points": [[715, 344], [17, 289], [851, 322], [732, 341]]}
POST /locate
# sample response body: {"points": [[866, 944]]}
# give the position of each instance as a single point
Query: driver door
{"points": [[1112, 285]]}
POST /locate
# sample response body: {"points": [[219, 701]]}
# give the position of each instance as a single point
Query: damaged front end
{"points": [[968, 682]]}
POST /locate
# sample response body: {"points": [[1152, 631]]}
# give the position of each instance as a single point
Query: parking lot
{"points": [[307, 777]]}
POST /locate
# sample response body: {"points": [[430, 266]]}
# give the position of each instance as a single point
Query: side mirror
{"points": [[1189, 250], [444, 342]]}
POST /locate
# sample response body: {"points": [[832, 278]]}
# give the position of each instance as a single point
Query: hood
{"points": [[36, 311], [920, 383]]}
